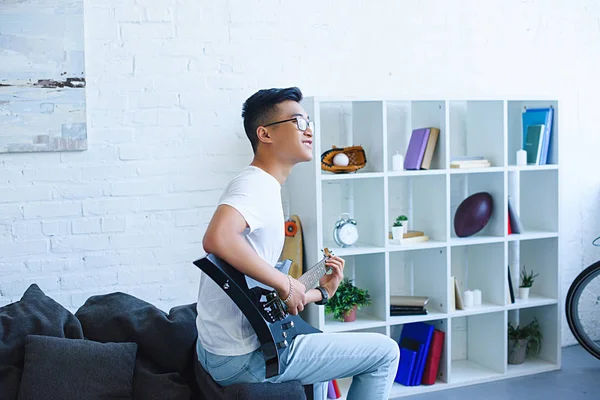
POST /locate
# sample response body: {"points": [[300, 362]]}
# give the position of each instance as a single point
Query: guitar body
{"points": [[264, 310]]}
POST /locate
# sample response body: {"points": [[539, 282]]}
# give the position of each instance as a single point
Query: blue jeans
{"points": [[371, 358]]}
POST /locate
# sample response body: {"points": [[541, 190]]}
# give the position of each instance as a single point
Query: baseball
{"points": [[341, 160]]}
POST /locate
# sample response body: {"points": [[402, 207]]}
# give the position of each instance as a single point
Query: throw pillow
{"points": [[37, 314], [167, 340], [78, 369]]}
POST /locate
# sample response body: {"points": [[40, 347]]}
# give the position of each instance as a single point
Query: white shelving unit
{"points": [[475, 348]]}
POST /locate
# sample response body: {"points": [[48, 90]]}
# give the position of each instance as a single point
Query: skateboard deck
{"points": [[293, 247]]}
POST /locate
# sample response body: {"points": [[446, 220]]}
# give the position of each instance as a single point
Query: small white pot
{"points": [[524, 293], [405, 226], [398, 233]]}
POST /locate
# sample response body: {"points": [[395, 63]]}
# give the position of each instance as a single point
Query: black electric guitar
{"points": [[263, 308]]}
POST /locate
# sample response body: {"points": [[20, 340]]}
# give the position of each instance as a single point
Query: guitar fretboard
{"points": [[311, 277]]}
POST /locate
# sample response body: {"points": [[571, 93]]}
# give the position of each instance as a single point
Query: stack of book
{"points": [[421, 348], [421, 148], [469, 162], [408, 305], [410, 237], [537, 133]]}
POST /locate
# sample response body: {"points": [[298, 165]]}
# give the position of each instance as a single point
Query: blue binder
{"points": [[406, 366]]}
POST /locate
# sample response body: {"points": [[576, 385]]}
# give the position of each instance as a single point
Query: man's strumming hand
{"points": [[297, 301]]}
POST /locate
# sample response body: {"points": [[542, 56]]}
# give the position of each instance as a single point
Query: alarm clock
{"points": [[345, 232]]}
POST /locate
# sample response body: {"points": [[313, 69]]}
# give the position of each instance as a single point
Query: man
{"points": [[247, 231]]}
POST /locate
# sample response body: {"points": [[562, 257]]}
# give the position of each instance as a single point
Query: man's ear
{"points": [[263, 135]]}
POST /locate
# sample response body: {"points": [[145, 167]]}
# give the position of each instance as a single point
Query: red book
{"points": [[509, 227], [433, 358]]}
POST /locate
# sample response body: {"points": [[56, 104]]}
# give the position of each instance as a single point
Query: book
{"points": [[416, 149], [400, 313], [415, 239], [466, 158], [515, 221], [331, 391], [336, 387], [409, 301], [470, 164], [430, 148], [433, 358], [533, 143], [458, 301], [510, 287], [405, 366]]}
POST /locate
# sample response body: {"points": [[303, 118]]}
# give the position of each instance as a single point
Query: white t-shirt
{"points": [[222, 327]]}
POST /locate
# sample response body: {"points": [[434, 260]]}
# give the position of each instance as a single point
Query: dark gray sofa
{"points": [[115, 346]]}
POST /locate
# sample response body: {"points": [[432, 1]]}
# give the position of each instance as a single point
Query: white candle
{"points": [[468, 298], [477, 297], [521, 157], [397, 162]]}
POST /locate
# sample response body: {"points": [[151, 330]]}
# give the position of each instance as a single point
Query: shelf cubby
{"points": [[480, 267], [477, 347], [541, 257], [367, 271], [515, 109], [363, 200], [538, 201], [419, 273], [464, 185], [477, 129], [353, 123], [423, 200], [431, 113], [549, 355]]}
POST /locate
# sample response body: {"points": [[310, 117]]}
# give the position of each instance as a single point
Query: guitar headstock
{"points": [[327, 253]]}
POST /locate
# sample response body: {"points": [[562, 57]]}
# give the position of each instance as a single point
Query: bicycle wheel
{"points": [[583, 309]]}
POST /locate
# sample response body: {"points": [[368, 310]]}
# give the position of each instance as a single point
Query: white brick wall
{"points": [[166, 80]]}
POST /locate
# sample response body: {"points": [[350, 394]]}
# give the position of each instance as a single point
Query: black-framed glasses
{"points": [[302, 124]]}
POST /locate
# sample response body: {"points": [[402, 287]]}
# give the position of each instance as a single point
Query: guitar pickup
{"points": [[287, 325]]}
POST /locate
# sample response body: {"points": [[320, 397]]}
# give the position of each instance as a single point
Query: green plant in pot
{"points": [[347, 300], [403, 219], [527, 280], [523, 341], [398, 230]]}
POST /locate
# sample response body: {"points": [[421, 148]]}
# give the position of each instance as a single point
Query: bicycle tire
{"points": [[571, 308]]}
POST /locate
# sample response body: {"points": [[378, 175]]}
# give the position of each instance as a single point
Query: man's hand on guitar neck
{"points": [[331, 281], [296, 302]]}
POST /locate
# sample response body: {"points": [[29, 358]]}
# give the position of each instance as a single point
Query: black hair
{"points": [[261, 107]]}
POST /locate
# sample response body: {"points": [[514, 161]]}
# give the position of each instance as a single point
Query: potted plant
{"points": [[398, 231], [527, 280], [523, 341], [347, 300], [404, 220]]}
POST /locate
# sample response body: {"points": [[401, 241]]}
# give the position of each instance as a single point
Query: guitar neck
{"points": [[311, 277]]}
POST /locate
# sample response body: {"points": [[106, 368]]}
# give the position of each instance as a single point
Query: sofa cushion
{"points": [[166, 341], [35, 314], [78, 369]]}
